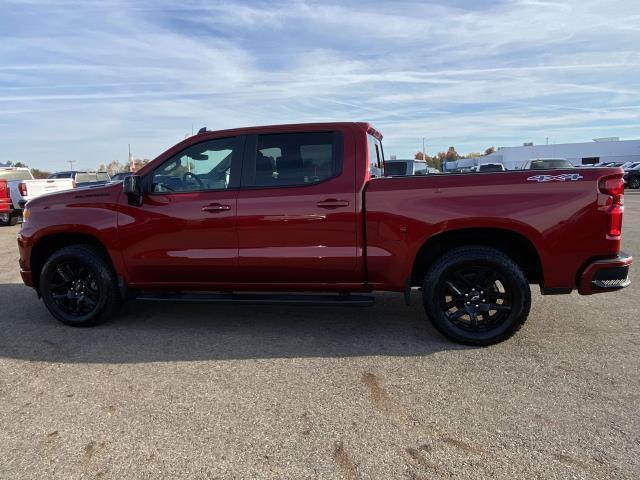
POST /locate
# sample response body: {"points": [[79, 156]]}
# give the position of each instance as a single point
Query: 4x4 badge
{"points": [[556, 178]]}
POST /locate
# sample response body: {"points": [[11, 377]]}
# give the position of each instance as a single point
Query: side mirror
{"points": [[132, 187]]}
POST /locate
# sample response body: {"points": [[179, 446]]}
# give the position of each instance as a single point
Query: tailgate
{"points": [[36, 188]]}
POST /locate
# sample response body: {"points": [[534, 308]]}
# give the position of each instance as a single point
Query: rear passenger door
{"points": [[297, 209]]}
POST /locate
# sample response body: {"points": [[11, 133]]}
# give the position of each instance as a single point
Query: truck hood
{"points": [[76, 195]]}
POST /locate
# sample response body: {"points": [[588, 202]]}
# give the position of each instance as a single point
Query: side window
{"points": [[419, 169], [296, 159], [203, 166], [376, 160]]}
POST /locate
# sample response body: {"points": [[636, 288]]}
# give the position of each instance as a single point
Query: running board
{"points": [[258, 299]]}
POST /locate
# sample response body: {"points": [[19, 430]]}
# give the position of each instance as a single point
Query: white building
{"points": [[589, 153]]}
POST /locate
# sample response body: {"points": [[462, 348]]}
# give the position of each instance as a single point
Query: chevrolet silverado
{"points": [[293, 210]]}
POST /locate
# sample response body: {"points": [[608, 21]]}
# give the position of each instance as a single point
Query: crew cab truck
{"points": [[21, 187], [223, 216]]}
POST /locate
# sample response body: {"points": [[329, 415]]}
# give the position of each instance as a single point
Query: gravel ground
{"points": [[244, 392]]}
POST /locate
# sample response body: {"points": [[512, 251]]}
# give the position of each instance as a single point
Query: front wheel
{"points": [[634, 183], [476, 296], [79, 287]]}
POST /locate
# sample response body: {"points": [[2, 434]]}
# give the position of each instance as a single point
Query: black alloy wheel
{"points": [[476, 295], [79, 287], [74, 289], [475, 298]]}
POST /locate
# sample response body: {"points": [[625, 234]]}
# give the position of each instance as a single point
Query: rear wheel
{"points": [[476, 296], [634, 182], [79, 287]]}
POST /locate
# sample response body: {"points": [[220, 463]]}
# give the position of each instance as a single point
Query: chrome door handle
{"points": [[216, 208], [332, 203]]}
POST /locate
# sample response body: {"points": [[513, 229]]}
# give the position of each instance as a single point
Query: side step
{"points": [[258, 299]]}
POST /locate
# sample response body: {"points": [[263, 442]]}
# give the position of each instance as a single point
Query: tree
{"points": [[490, 150], [451, 155], [39, 174], [421, 156]]}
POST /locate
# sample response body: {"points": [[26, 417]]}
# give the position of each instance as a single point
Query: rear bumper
{"points": [[606, 275]]}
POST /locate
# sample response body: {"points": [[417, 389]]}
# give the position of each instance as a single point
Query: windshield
{"points": [[395, 168], [544, 164], [10, 175]]}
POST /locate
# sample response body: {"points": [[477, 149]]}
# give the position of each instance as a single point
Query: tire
{"points": [[8, 219], [466, 275], [79, 287], [634, 183]]}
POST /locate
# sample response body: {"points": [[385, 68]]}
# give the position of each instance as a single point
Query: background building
{"points": [[599, 150]]}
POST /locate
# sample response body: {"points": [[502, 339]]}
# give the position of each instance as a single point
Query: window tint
{"points": [[11, 175], [490, 167], [204, 166], [296, 158], [393, 169]]}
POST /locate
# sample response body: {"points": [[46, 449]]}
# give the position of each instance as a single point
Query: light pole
{"points": [[424, 152], [71, 162]]}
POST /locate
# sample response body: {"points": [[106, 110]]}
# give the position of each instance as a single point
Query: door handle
{"points": [[332, 203], [216, 208]]}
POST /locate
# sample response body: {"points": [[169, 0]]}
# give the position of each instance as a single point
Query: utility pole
{"points": [[424, 152], [71, 162]]}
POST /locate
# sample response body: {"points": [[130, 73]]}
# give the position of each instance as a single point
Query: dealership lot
{"points": [[319, 392]]}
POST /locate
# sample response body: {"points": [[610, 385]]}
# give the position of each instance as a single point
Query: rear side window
{"points": [[11, 175], [376, 157], [394, 169], [296, 159]]}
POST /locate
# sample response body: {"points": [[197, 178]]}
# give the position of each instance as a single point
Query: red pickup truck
{"points": [[230, 215]]}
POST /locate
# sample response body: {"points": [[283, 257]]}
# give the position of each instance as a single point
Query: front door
{"points": [[297, 211], [184, 233]]}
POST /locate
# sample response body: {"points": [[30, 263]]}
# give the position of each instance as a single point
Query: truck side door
{"points": [[184, 233], [297, 220]]}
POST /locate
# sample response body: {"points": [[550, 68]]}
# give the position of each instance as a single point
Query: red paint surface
{"points": [[313, 237]]}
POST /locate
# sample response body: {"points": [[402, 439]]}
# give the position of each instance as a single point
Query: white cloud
{"points": [[86, 79]]}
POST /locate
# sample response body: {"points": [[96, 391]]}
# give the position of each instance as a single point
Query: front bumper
{"points": [[24, 247], [606, 275]]}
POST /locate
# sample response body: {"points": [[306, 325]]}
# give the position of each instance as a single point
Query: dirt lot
{"points": [[245, 392]]}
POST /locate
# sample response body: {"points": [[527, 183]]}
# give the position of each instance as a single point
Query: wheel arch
{"points": [[513, 244], [45, 246]]}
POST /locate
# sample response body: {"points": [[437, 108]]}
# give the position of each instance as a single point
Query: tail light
{"points": [[613, 187], [22, 188], [5, 199]]}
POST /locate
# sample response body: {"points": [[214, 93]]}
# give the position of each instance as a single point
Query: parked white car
{"points": [[23, 187]]}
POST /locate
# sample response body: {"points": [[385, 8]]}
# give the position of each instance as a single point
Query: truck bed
{"points": [[556, 211]]}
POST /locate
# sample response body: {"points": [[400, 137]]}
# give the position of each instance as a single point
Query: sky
{"points": [[80, 80]]}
